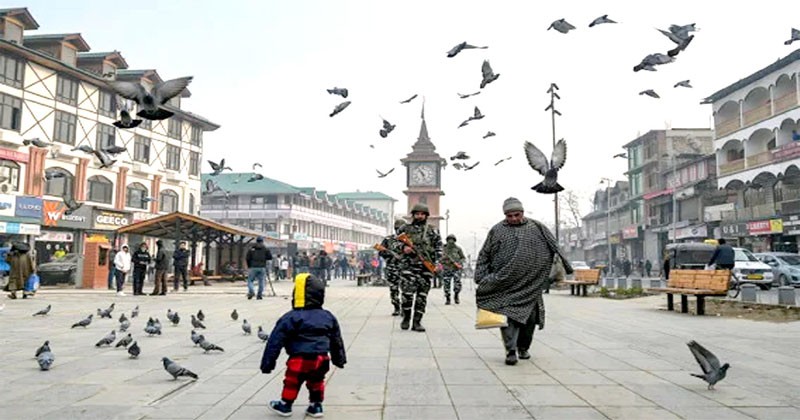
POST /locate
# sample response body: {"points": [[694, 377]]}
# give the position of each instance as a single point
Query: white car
{"points": [[579, 265], [748, 269]]}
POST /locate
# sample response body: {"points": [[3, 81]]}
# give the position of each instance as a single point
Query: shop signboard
{"points": [[630, 232], [714, 213], [791, 225], [53, 216], [8, 205], [54, 236], [14, 228], [28, 207], [699, 231], [8, 154], [734, 230], [104, 219], [299, 236], [140, 216], [765, 227]]}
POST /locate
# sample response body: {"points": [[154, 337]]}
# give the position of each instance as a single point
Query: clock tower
{"points": [[424, 174]]}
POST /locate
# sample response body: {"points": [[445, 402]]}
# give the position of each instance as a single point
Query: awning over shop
{"points": [[186, 227]]}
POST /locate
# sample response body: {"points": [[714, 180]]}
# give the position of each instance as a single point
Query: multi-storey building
{"points": [[758, 155], [307, 217], [606, 222], [52, 87]]}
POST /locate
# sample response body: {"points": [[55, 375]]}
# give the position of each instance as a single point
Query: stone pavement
{"points": [[595, 359]]}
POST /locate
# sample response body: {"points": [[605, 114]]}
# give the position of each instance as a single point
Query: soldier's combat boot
{"points": [[447, 300], [418, 323], [456, 298], [406, 319], [396, 310]]}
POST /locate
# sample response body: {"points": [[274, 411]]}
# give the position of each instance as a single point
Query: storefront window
{"points": [[9, 175]]}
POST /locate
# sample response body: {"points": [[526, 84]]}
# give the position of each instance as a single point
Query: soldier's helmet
{"points": [[399, 223], [451, 236], [422, 208]]}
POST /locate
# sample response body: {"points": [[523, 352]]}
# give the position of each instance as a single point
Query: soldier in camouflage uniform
{"points": [[452, 262], [393, 263], [415, 279]]}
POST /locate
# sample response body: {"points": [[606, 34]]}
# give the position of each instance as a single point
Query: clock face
{"points": [[423, 174]]}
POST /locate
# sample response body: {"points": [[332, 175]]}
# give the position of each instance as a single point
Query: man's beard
{"points": [[419, 222]]}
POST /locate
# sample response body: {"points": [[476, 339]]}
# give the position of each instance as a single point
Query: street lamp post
{"points": [[608, 219], [553, 96]]}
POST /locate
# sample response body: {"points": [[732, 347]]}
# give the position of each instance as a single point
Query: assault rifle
{"points": [[404, 238], [381, 248]]}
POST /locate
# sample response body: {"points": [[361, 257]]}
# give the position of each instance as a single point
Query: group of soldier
{"points": [[414, 257]]}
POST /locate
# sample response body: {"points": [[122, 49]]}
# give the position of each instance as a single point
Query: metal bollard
{"points": [[786, 296], [636, 283], [622, 283], [655, 282], [749, 292]]}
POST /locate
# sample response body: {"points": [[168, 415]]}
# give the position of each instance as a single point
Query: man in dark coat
{"points": [[141, 258], [22, 265], [180, 260], [724, 256], [258, 256], [162, 265], [512, 270]]}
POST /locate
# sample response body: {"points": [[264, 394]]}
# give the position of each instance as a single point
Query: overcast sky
{"points": [[261, 69]]}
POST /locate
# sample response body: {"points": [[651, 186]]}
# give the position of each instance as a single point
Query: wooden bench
{"points": [[583, 278], [363, 278], [700, 283]]}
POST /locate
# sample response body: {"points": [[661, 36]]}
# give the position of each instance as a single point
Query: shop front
{"points": [[631, 235], [61, 231], [105, 223], [20, 218], [696, 233], [791, 230], [762, 234]]}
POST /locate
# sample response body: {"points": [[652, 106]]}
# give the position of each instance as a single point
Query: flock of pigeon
{"points": [[45, 357]]}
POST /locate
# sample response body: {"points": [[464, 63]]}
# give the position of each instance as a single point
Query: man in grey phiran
{"points": [[511, 273]]}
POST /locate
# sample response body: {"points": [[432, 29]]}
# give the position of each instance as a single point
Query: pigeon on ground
{"points": [[471, 167], [153, 329], [462, 46], [459, 156], [209, 346], [150, 102], [795, 36], [683, 83], [43, 348], [135, 312], [600, 20], [114, 150], [235, 315], [649, 92], [561, 25], [169, 314], [255, 177], [44, 311], [104, 313], [489, 134], [488, 75], [338, 91], [339, 108], [620, 155], [176, 370], [122, 317], [246, 328], [549, 169], [463, 96], [712, 371], [157, 323], [409, 99], [134, 350], [84, 322], [195, 337], [197, 323], [36, 142], [72, 205], [125, 120], [124, 341], [262, 335], [45, 360], [175, 319], [502, 160], [53, 174], [200, 315], [652, 60], [108, 339], [104, 158], [217, 168], [384, 174], [124, 325], [85, 148], [387, 128]]}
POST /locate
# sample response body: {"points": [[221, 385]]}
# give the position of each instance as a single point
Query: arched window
{"points": [[136, 195], [59, 187], [168, 200], [9, 175], [101, 190], [191, 203]]}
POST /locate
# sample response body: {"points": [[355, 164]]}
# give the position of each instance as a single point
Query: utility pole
{"points": [[553, 96], [608, 219], [447, 223]]}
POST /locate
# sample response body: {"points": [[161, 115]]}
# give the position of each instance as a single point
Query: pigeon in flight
{"points": [[72, 205], [200, 315], [108, 339], [257, 164], [464, 123], [338, 91], [649, 92], [476, 115], [150, 102], [459, 156], [488, 75], [489, 134], [85, 148], [652, 60], [125, 120], [462, 46], [384, 174], [458, 166], [339, 108], [208, 346], [43, 348], [84, 322], [600, 20], [211, 187], [795, 37], [683, 83], [549, 169], [217, 168], [561, 25], [713, 372], [620, 155], [387, 128], [134, 351], [409, 99], [104, 158], [682, 31], [255, 177], [502, 160], [247, 328], [124, 341], [114, 149], [176, 370], [44, 311], [45, 360], [36, 142], [463, 96], [468, 167], [681, 46], [262, 335]]}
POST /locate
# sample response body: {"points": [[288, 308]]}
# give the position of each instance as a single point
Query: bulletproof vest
{"points": [[420, 236]]}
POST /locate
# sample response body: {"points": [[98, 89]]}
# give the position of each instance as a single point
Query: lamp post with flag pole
{"points": [[553, 111]]}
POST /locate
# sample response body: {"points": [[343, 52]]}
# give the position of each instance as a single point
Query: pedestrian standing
{"points": [[393, 265], [647, 267], [122, 265], [111, 255], [512, 269], [21, 266], [141, 260], [180, 260], [162, 265], [257, 258], [452, 263], [284, 266]]}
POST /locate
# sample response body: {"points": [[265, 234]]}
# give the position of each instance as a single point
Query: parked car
{"points": [[689, 255], [57, 271], [785, 267], [748, 269], [579, 265]]}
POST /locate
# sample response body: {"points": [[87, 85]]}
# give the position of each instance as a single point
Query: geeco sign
{"points": [[110, 220]]}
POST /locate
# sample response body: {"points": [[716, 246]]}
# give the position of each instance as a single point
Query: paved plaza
{"points": [[596, 359]]}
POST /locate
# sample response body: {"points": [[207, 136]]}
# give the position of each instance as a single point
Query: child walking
{"points": [[309, 334]]}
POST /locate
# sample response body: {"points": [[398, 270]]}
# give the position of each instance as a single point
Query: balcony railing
{"points": [[726, 127], [731, 167], [787, 101], [759, 113], [759, 159], [786, 152]]}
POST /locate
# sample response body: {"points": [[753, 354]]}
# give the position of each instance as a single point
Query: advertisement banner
{"points": [[14, 228], [8, 205], [8, 154], [52, 236], [630, 232], [110, 219], [700, 231], [765, 227], [28, 207], [53, 216], [734, 230]]}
